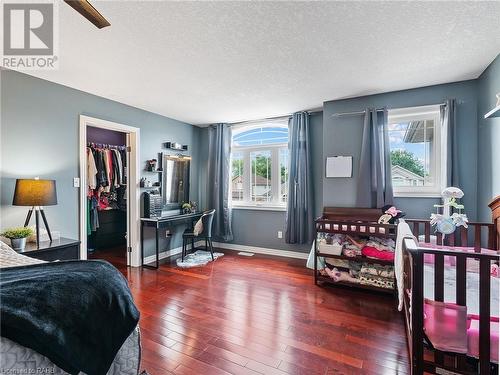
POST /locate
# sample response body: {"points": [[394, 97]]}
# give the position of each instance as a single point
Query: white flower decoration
{"points": [[452, 192], [436, 218], [460, 220]]}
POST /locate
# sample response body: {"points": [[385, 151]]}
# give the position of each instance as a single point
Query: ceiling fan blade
{"points": [[89, 12]]}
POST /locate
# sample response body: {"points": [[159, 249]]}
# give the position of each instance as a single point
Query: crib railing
{"points": [[355, 227], [462, 237], [414, 281]]}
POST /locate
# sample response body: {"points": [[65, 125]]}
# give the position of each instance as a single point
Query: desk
{"points": [[163, 222]]}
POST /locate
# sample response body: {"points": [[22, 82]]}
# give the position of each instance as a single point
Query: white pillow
{"points": [[198, 227]]}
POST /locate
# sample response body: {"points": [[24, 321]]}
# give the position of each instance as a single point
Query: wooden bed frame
{"points": [[354, 222], [422, 356]]}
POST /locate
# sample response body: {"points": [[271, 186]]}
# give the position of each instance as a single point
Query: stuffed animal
{"points": [[390, 214]]}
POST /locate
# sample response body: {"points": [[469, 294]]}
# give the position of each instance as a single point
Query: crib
{"points": [[466, 253]]}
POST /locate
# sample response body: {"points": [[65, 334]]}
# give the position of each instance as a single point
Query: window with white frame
{"points": [[418, 155], [259, 175]]}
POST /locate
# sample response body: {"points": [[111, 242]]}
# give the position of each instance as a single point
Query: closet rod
{"points": [[339, 114], [104, 145]]}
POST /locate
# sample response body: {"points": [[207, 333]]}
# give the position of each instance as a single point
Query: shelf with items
{"points": [[358, 259], [328, 280], [352, 222]]}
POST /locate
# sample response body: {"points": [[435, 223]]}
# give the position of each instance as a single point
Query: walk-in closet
{"points": [[106, 194]]}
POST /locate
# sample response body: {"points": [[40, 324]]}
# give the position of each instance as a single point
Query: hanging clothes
{"points": [[106, 170], [91, 170]]}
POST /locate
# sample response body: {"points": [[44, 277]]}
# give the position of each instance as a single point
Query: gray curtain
{"points": [[219, 171], [449, 135], [300, 206], [374, 179]]}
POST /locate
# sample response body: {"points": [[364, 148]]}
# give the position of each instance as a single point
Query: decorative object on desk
{"points": [[446, 222], [44, 236], [152, 205], [189, 207], [197, 259], [17, 236], [176, 146], [151, 165], [35, 193], [390, 215], [186, 208]]}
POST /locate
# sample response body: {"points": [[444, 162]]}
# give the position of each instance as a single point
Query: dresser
{"points": [[61, 249]]}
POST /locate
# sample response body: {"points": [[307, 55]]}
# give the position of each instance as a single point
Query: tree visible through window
{"points": [[260, 164], [415, 146]]}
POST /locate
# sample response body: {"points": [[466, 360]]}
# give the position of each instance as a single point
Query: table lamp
{"points": [[35, 193]]}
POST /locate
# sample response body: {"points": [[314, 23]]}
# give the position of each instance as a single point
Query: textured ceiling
{"points": [[205, 62]]}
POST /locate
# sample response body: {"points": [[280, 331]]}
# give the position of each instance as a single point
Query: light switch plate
{"points": [[76, 182], [280, 234]]}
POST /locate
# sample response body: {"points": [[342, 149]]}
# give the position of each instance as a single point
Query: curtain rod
{"points": [[311, 111], [339, 114]]}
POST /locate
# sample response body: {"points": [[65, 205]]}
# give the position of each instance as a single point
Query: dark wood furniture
{"points": [[112, 230], [495, 216], [354, 222], [61, 249], [423, 357], [163, 223]]}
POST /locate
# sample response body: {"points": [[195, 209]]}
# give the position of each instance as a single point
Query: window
{"points": [[260, 164], [417, 154]]}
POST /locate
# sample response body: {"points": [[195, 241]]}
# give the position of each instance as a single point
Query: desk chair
{"points": [[207, 219]]}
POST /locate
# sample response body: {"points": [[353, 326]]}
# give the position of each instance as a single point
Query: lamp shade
{"points": [[35, 193]]}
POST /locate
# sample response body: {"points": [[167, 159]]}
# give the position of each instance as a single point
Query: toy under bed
{"points": [[451, 304]]}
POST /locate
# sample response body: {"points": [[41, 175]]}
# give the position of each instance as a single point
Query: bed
{"points": [[16, 358], [450, 298]]}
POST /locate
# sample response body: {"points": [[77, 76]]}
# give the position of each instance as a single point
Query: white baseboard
{"points": [[169, 253], [261, 250], [231, 246]]}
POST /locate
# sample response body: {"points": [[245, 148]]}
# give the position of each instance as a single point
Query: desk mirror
{"points": [[175, 184]]}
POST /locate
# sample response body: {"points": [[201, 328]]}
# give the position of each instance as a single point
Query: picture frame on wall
{"points": [[338, 166]]}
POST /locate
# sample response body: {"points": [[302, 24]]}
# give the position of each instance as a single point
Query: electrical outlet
{"points": [[76, 182], [280, 234], [168, 233]]}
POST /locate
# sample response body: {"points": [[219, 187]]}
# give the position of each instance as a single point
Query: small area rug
{"points": [[197, 259]]}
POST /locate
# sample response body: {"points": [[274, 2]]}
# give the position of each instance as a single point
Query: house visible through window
{"points": [[417, 156], [260, 164]]}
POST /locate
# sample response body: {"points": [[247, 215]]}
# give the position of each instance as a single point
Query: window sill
{"points": [[416, 195], [259, 208]]}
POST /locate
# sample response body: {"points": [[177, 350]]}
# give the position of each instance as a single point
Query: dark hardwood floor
{"points": [[261, 314]]}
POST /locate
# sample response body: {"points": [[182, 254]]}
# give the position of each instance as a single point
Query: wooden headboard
{"points": [[351, 213], [495, 216]]}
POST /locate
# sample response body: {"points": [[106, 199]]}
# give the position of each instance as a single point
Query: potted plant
{"points": [[186, 208], [17, 236]]}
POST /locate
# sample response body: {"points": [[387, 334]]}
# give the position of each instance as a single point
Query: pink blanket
{"points": [[450, 329], [372, 252], [445, 324], [473, 337]]}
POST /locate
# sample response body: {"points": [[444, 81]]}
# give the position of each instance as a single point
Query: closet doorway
{"points": [[109, 197]]}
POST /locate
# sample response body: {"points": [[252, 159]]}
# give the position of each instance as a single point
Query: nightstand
{"points": [[61, 249]]}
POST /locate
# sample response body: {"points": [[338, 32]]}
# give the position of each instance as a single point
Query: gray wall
{"points": [[489, 140], [342, 136], [39, 137], [260, 228]]}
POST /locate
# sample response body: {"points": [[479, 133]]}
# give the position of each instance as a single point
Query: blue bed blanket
{"points": [[76, 313]]}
